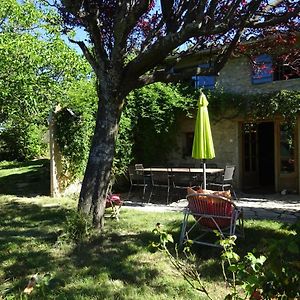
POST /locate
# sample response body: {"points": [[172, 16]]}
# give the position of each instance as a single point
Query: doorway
{"points": [[258, 157]]}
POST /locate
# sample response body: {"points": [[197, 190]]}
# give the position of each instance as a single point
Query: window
{"points": [[207, 82], [285, 70], [287, 148], [262, 71]]}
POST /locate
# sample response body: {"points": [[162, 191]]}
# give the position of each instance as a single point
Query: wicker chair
{"points": [[208, 213]]}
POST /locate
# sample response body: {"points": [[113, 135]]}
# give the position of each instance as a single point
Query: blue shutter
{"points": [[207, 82], [263, 69]]}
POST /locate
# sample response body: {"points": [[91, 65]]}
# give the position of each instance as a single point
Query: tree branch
{"points": [[275, 19], [125, 20], [88, 55], [167, 8]]}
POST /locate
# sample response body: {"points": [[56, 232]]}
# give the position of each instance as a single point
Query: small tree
{"points": [[36, 70], [136, 43]]}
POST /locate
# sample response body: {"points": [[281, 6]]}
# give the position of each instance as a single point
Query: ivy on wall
{"points": [[154, 111], [228, 105]]}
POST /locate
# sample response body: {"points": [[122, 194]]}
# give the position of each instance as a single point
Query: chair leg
{"points": [[151, 193], [168, 193], [129, 192], [233, 192], [144, 192], [183, 229]]}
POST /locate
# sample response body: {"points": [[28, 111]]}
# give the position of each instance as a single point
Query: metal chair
{"points": [[209, 213], [181, 181], [137, 179], [160, 181], [139, 166], [226, 182]]}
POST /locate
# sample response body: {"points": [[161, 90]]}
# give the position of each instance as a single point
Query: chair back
{"points": [[160, 178], [139, 166], [181, 179], [228, 174], [210, 210], [136, 176]]}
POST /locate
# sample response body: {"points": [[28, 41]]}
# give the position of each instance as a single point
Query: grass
{"points": [[25, 178], [116, 264]]}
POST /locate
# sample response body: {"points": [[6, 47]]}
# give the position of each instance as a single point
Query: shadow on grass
{"points": [[32, 180], [116, 262], [257, 233], [28, 244], [27, 233]]}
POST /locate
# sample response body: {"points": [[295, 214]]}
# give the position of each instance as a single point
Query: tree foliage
{"points": [[36, 67], [74, 125]]}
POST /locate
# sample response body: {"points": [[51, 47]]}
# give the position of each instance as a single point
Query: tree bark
{"points": [[96, 180]]}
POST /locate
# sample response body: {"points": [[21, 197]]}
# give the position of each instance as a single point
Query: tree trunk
{"points": [[97, 175]]}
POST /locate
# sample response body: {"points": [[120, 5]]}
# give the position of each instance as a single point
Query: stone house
{"points": [[265, 151]]}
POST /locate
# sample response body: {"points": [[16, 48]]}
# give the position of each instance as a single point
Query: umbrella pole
{"points": [[204, 174]]}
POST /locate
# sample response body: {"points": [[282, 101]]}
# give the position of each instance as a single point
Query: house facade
{"points": [[265, 151]]}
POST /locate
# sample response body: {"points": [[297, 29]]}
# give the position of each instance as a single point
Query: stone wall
{"points": [[226, 142], [236, 77], [225, 137]]}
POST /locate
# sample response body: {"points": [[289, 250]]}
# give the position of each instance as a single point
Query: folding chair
{"points": [[206, 213], [114, 202], [226, 183]]}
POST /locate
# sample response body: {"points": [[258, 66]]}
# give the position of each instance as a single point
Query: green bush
{"points": [[24, 142]]}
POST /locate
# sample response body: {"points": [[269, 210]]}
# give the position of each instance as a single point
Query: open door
{"points": [[258, 156]]}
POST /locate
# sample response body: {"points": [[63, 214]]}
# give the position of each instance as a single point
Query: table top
{"points": [[185, 170]]}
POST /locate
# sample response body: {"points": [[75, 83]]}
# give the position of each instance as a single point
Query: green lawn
{"points": [[25, 178], [116, 264]]}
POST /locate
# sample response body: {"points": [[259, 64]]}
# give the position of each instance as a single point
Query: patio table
{"points": [[184, 170]]}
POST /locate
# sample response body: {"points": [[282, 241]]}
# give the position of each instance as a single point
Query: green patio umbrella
{"points": [[203, 146]]}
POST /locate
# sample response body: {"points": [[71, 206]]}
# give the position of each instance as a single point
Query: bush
{"points": [[23, 142]]}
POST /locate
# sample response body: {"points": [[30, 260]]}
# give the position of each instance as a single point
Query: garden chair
{"points": [[207, 213], [160, 181], [139, 166], [181, 181], [114, 202], [137, 180], [226, 182]]}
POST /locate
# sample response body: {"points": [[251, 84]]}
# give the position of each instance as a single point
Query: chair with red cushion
{"points": [[208, 213], [114, 202]]}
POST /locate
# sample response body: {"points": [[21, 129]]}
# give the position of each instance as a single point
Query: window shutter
{"points": [[207, 82], [262, 69]]}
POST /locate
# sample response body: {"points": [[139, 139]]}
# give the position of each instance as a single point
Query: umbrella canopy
{"points": [[203, 146]]}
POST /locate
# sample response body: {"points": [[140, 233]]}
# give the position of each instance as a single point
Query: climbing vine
{"points": [[228, 105]]}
